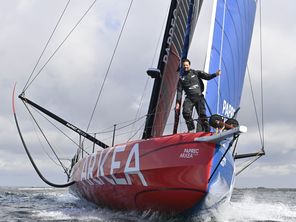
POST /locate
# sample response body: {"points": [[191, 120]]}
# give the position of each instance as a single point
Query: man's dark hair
{"points": [[186, 60]]}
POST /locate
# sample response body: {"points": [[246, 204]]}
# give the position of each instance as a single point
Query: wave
{"points": [[251, 208], [50, 204]]}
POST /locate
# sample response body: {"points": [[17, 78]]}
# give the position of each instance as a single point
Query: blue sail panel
{"points": [[232, 33]]}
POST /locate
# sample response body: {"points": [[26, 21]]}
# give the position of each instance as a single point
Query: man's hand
{"points": [[177, 108], [218, 72]]}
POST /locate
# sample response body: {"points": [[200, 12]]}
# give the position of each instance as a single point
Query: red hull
{"points": [[166, 174]]}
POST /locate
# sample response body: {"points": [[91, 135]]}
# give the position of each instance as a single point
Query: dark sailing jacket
{"points": [[191, 83]]}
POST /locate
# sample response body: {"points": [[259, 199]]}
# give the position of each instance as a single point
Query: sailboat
{"points": [[179, 173]]}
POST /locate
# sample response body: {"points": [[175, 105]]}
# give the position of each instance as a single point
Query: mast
{"points": [[178, 33], [157, 80]]}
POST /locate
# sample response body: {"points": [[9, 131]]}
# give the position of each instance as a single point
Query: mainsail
{"points": [[232, 27], [178, 33]]}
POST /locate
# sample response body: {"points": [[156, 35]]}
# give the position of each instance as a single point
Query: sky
{"points": [[71, 81]]}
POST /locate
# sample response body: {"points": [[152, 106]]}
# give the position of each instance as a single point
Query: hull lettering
{"points": [[107, 167]]}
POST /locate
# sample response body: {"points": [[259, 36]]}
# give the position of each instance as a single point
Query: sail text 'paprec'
{"points": [[170, 37], [227, 109]]}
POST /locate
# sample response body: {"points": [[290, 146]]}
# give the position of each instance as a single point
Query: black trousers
{"points": [[198, 102]]}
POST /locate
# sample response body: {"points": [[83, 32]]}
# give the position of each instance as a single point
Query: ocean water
{"points": [[48, 204]]}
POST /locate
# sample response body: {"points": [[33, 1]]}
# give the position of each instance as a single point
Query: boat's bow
{"points": [[168, 174]]}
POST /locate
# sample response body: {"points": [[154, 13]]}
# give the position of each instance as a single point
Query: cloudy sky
{"points": [[70, 83]]}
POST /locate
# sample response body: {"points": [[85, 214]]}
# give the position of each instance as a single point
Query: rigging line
{"points": [[160, 35], [109, 66], [56, 50], [221, 53], [131, 131], [245, 167], [72, 140], [137, 131], [129, 124], [148, 78], [141, 103], [146, 83], [261, 70], [235, 147], [134, 121], [118, 134], [172, 110], [224, 154], [245, 162], [111, 130], [255, 107], [46, 45], [28, 153], [52, 149], [33, 163], [47, 154]]}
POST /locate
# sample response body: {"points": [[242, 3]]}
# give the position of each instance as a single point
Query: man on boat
{"points": [[191, 82]]}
